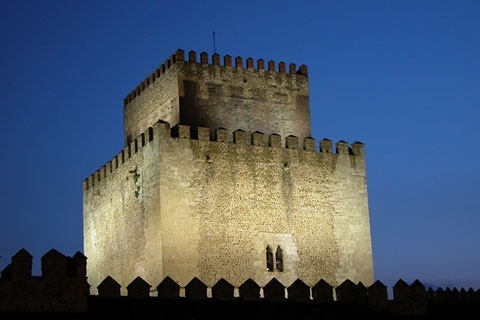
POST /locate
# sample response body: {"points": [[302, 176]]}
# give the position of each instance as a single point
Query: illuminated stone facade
{"points": [[218, 170]]}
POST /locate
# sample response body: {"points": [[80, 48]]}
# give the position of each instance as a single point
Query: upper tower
{"points": [[241, 94]]}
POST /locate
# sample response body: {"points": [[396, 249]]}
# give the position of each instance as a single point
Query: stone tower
{"points": [[219, 178]]}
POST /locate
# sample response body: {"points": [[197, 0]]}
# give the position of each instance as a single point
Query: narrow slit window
{"points": [[269, 258], [279, 259]]}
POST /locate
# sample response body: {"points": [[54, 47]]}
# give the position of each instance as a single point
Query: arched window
{"points": [[279, 259], [269, 259]]}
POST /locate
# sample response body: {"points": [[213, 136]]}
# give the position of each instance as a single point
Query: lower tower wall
{"points": [[183, 206]]}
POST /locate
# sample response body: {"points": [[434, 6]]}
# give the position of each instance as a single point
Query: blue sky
{"points": [[403, 77]]}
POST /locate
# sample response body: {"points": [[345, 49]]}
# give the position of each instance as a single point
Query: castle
{"points": [[220, 179], [203, 216]]}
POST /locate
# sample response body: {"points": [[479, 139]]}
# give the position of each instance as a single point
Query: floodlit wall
{"points": [[176, 202]]}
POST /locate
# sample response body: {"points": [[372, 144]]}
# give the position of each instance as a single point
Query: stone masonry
{"points": [[219, 166]]}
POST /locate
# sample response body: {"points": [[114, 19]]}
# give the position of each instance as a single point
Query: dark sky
{"points": [[403, 77]]}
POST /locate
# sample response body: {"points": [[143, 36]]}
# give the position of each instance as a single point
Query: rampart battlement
{"points": [[205, 60], [54, 265], [63, 287], [222, 135], [347, 291]]}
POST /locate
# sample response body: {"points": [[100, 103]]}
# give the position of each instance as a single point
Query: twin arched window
{"points": [[274, 263]]}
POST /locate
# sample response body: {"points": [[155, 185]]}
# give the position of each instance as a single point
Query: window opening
{"points": [[279, 259], [269, 258]]}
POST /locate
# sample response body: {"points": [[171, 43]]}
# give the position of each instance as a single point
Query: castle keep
{"points": [[220, 178]]}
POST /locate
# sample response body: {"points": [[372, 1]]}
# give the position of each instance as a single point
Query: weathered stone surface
{"points": [[208, 207]]}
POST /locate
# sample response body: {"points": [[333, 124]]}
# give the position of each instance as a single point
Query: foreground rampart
{"points": [[62, 290]]}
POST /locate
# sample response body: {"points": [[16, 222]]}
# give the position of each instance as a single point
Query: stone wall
{"points": [[209, 208], [62, 287], [266, 97], [62, 292]]}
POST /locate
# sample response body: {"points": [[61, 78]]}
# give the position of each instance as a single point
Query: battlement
{"points": [[222, 135], [64, 289], [215, 60], [62, 286], [347, 291]]}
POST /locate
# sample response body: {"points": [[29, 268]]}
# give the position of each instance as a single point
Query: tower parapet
{"points": [[237, 94], [215, 60], [237, 137]]}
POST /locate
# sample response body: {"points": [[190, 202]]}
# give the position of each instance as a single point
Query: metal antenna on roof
{"points": [[214, 49]]}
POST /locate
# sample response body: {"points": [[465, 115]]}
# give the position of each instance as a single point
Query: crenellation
{"points": [[341, 147], [21, 265], [128, 151], [98, 177], [291, 142], [326, 146], [271, 65], [240, 137], [109, 287], [275, 140], [258, 139], [192, 56], [121, 154], [179, 55], [162, 128], [64, 287], [203, 133], [227, 61], [54, 265], [261, 64], [358, 149], [216, 59], [221, 135], [138, 288], [239, 62], [249, 63], [79, 265], [309, 144], [303, 70], [115, 162], [204, 58], [292, 68], [103, 172], [181, 131], [85, 184]]}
